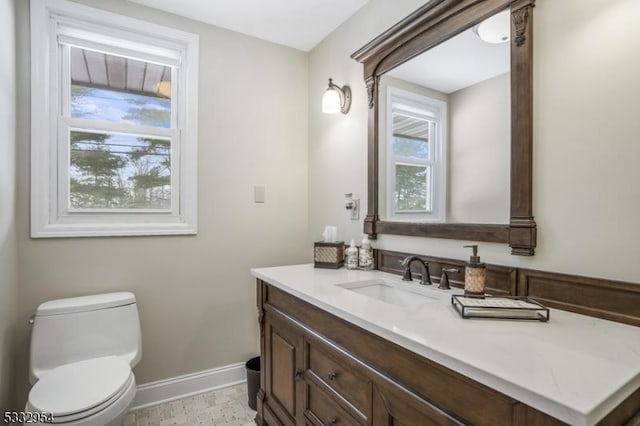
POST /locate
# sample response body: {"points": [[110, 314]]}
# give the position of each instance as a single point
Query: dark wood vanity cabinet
{"points": [[303, 384], [321, 370], [282, 369]]}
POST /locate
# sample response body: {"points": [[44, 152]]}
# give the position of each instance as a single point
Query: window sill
{"points": [[113, 230]]}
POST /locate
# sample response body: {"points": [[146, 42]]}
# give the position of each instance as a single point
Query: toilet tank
{"points": [[80, 328]]}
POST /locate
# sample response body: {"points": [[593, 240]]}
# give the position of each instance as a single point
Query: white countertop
{"points": [[574, 367]]}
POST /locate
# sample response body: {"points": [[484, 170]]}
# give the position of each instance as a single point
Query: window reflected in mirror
{"points": [[415, 161]]}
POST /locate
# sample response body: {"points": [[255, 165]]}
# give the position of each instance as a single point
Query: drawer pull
{"points": [[299, 374], [332, 421], [332, 375]]}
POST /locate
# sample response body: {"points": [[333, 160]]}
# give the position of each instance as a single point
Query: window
{"points": [[114, 122], [416, 167]]}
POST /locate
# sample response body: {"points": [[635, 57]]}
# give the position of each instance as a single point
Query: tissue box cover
{"points": [[328, 255]]}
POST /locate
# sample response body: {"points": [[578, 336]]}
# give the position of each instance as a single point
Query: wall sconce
{"points": [[336, 99]]}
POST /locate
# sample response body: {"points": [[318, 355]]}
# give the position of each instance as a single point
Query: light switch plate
{"points": [[258, 194]]}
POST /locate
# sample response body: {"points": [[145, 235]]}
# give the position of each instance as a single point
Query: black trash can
{"points": [[252, 368]]}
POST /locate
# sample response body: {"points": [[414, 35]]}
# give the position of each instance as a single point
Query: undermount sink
{"points": [[395, 293]]}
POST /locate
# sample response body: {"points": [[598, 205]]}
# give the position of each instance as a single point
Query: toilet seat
{"points": [[78, 390]]}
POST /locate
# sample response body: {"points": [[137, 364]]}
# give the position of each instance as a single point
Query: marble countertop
{"points": [[574, 367]]}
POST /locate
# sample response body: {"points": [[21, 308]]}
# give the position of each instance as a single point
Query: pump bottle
{"points": [[366, 254], [352, 256], [475, 275]]}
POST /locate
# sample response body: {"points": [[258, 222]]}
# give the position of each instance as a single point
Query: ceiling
{"points": [[459, 62], [300, 24]]}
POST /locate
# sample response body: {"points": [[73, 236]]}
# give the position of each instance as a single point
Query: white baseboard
{"points": [[155, 393]]}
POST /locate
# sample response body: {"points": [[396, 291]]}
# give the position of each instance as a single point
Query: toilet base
{"points": [[113, 415]]}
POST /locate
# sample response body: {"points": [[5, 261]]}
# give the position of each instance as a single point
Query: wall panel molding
{"points": [[613, 300], [501, 279]]}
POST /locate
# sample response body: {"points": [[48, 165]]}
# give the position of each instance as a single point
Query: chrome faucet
{"points": [[425, 279]]}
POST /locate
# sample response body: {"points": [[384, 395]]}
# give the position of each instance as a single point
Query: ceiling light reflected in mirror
{"points": [[495, 29]]}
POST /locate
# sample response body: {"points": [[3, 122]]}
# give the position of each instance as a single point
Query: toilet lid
{"points": [[79, 386]]}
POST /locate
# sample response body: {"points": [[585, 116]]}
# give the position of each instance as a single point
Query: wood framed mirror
{"points": [[429, 27]]}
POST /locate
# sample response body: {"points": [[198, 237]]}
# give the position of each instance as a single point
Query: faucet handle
{"points": [[406, 264], [444, 279]]}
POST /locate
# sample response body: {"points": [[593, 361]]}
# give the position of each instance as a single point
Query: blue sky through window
{"points": [[122, 107], [407, 147]]}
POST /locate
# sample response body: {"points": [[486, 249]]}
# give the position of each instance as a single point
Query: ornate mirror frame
{"points": [[431, 24]]}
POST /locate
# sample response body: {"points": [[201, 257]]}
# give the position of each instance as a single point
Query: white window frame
{"points": [[431, 109], [60, 21]]}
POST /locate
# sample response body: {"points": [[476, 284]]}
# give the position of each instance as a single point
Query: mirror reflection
{"points": [[445, 130]]}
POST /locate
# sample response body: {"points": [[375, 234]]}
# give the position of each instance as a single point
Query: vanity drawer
{"points": [[322, 410], [337, 375]]}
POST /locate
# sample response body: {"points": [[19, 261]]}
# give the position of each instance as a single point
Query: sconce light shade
{"points": [[495, 29], [331, 102], [336, 99]]}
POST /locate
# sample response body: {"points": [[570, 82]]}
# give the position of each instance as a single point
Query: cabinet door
{"points": [[283, 375], [395, 406]]}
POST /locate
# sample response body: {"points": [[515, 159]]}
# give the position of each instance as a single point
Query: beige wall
{"points": [[479, 160], [586, 127], [337, 142], [8, 245], [196, 296]]}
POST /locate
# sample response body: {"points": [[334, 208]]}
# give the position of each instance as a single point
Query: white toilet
{"points": [[82, 352]]}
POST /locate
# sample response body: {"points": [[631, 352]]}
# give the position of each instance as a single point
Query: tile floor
{"points": [[223, 407]]}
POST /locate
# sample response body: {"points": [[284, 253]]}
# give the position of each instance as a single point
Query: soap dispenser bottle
{"points": [[352, 256], [366, 254], [475, 275]]}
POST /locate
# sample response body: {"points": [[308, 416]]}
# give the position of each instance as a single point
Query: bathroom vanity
{"points": [[338, 351]]}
